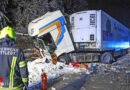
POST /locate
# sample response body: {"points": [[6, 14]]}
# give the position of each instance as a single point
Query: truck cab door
{"points": [[62, 40]]}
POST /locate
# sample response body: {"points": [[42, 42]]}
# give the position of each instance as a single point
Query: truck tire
{"points": [[106, 58], [123, 52], [64, 58]]}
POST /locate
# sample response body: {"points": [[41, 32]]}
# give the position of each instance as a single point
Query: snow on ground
{"points": [[115, 76], [36, 68]]}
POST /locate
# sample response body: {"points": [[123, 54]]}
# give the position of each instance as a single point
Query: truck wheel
{"points": [[64, 58], [123, 52], [106, 58]]}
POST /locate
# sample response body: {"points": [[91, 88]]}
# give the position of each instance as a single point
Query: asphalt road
{"points": [[115, 76]]}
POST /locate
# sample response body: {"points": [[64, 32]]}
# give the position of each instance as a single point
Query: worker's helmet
{"points": [[8, 31]]}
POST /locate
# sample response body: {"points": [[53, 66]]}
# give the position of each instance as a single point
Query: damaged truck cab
{"points": [[51, 35]]}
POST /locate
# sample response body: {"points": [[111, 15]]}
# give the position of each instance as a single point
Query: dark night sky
{"points": [[119, 9]]}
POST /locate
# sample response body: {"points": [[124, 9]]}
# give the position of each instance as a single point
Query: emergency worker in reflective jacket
{"points": [[13, 67]]}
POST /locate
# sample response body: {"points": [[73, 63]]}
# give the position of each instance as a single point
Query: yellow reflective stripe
{"points": [[12, 72], [19, 87], [6, 89], [22, 64], [25, 79]]}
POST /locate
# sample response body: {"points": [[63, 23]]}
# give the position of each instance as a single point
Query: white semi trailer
{"points": [[94, 36], [96, 32]]}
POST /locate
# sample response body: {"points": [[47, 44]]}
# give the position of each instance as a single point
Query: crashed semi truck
{"points": [[93, 36]]}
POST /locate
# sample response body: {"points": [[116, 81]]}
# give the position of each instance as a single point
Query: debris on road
{"points": [[101, 75], [114, 76], [37, 67], [77, 64]]}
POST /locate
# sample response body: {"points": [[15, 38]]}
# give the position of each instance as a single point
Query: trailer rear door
{"points": [[84, 26]]}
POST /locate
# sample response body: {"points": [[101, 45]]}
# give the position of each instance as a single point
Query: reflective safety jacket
{"points": [[13, 68]]}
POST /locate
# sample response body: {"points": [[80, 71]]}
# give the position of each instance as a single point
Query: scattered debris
{"points": [[77, 64], [114, 76], [37, 67], [127, 72]]}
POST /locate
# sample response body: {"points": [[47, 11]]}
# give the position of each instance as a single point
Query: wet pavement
{"points": [[114, 76]]}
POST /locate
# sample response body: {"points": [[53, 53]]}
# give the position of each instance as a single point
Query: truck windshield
{"points": [[39, 43], [49, 43]]}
